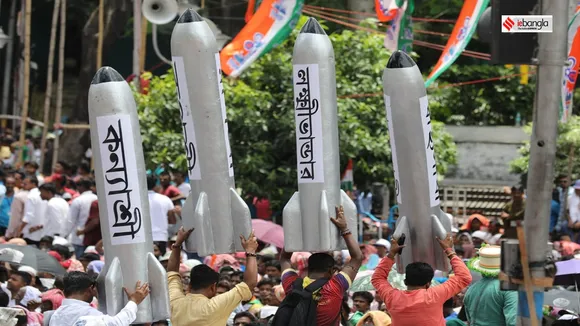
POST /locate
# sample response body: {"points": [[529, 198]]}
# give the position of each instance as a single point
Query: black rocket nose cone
{"points": [[400, 59], [312, 27], [105, 75], [189, 16]]}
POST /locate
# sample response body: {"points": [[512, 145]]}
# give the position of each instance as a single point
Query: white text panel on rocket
{"points": [[308, 124], [191, 153], [122, 192]]}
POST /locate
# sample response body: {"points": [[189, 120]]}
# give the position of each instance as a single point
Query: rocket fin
{"points": [[102, 291], [351, 215], [445, 221], [325, 241], [188, 219], [159, 289], [202, 219], [241, 218], [441, 261], [407, 256], [292, 225], [438, 228], [114, 288]]}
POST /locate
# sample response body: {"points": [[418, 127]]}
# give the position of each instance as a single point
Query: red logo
{"points": [[508, 24]]}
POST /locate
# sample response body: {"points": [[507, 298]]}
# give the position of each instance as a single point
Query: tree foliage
{"points": [[567, 149], [261, 119], [491, 103]]}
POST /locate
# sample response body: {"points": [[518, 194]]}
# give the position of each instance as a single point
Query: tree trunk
{"points": [[74, 143]]}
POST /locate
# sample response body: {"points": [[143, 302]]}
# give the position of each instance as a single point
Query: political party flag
{"points": [[271, 24], [570, 71], [387, 9], [399, 34], [462, 32], [346, 182]]}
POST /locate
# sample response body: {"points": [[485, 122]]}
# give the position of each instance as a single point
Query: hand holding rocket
{"points": [[412, 149], [123, 205], [307, 226], [213, 207]]}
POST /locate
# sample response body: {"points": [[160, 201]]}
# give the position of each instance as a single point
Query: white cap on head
{"points": [[60, 241], [28, 269], [383, 243], [480, 235]]}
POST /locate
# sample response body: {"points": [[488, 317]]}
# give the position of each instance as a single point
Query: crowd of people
{"points": [[264, 285]]}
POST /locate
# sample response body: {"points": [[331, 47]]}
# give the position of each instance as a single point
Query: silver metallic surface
{"points": [[125, 264], [307, 225], [421, 223], [213, 208]]}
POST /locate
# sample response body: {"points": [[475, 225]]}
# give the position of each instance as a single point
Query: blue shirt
{"points": [[5, 210], [554, 214], [452, 316], [5, 203]]}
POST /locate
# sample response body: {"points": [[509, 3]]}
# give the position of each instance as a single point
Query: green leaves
{"points": [[567, 148], [261, 119]]}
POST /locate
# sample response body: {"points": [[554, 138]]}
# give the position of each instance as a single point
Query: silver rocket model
{"points": [[213, 208], [307, 225], [414, 164], [123, 202]]}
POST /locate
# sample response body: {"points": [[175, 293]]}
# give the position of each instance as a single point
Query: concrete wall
{"points": [[484, 154]]}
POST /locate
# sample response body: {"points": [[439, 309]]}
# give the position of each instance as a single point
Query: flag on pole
{"points": [[399, 34], [346, 181]]}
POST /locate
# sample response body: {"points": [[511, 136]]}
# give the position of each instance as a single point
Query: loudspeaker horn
{"points": [[160, 12]]}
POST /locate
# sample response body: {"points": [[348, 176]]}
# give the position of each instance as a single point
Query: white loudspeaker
{"points": [[160, 12]]}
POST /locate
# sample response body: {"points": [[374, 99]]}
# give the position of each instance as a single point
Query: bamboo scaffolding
{"points": [[60, 79], [48, 95], [26, 90]]}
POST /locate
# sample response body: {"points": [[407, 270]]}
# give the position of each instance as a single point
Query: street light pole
{"points": [[551, 60]]}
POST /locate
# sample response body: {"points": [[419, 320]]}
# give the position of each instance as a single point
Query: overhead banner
{"points": [[399, 34], [462, 32], [269, 26], [570, 72], [387, 10]]}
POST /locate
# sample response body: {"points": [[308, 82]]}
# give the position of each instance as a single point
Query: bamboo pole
{"points": [[60, 79], [26, 100], [101, 34], [143, 50], [48, 95]]}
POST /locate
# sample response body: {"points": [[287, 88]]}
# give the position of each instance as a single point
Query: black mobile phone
{"points": [[401, 241]]}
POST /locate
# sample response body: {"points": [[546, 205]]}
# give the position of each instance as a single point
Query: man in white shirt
{"points": [[78, 215], [161, 210], [17, 281], [56, 210], [17, 207], [79, 290], [183, 187], [34, 212]]}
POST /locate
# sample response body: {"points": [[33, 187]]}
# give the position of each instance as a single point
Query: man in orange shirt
{"points": [[420, 304]]}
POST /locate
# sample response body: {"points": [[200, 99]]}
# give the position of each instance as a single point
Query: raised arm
{"points": [[456, 283], [380, 277], [356, 256], [251, 273]]}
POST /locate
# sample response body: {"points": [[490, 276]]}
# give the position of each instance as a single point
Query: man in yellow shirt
{"points": [[201, 306]]}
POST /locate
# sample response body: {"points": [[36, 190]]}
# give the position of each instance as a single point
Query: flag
{"points": [[570, 71], [460, 36], [387, 9], [346, 181], [399, 34]]}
